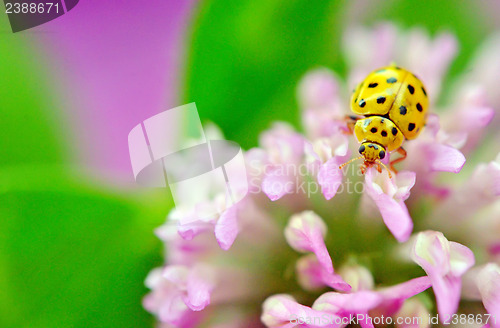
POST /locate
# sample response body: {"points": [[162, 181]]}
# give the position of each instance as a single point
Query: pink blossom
{"points": [[305, 232], [225, 225], [488, 281], [418, 314], [444, 262], [282, 311], [311, 275], [285, 149], [319, 95], [483, 283], [434, 151], [324, 158], [357, 276], [389, 196], [385, 301], [481, 189], [177, 291], [250, 250]]}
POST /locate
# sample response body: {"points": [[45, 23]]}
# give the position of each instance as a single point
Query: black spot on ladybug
{"points": [[382, 121], [419, 107], [380, 100], [373, 146], [384, 133], [372, 85], [411, 89], [361, 149], [411, 126], [381, 154], [373, 130], [392, 80], [402, 110], [362, 103], [423, 90], [394, 131]]}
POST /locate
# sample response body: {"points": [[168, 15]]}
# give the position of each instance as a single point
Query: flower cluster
{"points": [[284, 253]]}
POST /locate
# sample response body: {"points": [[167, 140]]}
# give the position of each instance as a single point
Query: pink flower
{"points": [[483, 283], [385, 301], [444, 262], [488, 281], [324, 157], [319, 95], [220, 270], [480, 190], [285, 149], [312, 275], [225, 225], [389, 196], [177, 291], [305, 232], [282, 311], [414, 312], [359, 277]]}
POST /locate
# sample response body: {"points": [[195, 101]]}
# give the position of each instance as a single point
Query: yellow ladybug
{"points": [[393, 104]]}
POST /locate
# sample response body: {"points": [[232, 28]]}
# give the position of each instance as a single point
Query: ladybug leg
{"points": [[350, 122], [403, 154], [379, 168], [363, 168]]}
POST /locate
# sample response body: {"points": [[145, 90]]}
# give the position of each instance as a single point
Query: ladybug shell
{"points": [[396, 94]]}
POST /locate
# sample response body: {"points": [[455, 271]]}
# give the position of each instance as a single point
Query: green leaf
{"points": [[246, 58], [28, 103], [72, 255]]}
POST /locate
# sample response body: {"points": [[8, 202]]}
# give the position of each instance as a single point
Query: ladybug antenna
{"points": [[349, 162], [385, 167]]}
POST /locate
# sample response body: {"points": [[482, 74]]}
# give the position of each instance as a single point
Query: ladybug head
{"points": [[371, 152]]}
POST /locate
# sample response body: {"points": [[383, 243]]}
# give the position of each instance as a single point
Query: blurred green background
{"points": [[74, 251]]}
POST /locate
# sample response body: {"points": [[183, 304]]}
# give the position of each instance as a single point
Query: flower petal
{"points": [[394, 213], [276, 184], [305, 232], [200, 284], [312, 275], [319, 88], [357, 276], [330, 177], [413, 308], [226, 228], [406, 289], [461, 259], [432, 251], [282, 311], [358, 302], [488, 281], [444, 158]]}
